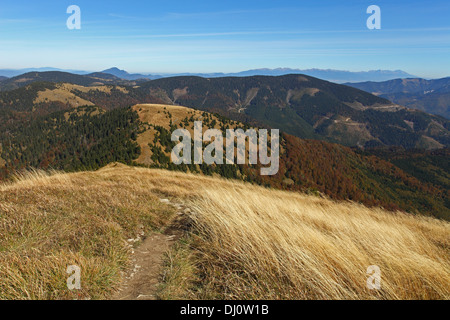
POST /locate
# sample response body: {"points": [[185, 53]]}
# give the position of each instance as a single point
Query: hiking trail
{"points": [[141, 281]]}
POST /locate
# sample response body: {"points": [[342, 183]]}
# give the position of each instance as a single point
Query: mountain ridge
{"points": [[89, 137], [127, 76], [92, 79], [338, 76], [432, 96], [304, 106]]}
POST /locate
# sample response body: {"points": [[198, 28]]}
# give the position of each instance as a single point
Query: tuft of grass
{"points": [[179, 278]]}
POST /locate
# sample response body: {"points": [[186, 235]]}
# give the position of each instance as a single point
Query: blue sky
{"points": [[227, 36]]}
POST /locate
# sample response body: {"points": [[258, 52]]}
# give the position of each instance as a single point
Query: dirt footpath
{"points": [[142, 280]]}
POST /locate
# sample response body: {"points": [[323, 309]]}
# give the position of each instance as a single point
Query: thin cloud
{"points": [[198, 15], [17, 21], [268, 32], [121, 16]]}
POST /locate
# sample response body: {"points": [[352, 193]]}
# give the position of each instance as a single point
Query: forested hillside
{"points": [[59, 77], [308, 108], [48, 125], [80, 139], [305, 165], [303, 106], [91, 137], [428, 166], [432, 96]]}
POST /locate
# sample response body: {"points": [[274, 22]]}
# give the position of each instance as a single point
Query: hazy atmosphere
{"points": [[226, 36]]}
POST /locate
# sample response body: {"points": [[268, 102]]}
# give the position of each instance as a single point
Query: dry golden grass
{"points": [[158, 114], [64, 93], [48, 222], [102, 88], [61, 94], [246, 242], [255, 243]]}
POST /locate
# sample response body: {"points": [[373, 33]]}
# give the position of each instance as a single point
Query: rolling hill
{"points": [[127, 76], [299, 105], [429, 166], [306, 165], [432, 96], [338, 76], [71, 127], [93, 79], [90, 137], [308, 108]]}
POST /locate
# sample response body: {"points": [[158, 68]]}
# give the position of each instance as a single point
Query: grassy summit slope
{"points": [[245, 241]]}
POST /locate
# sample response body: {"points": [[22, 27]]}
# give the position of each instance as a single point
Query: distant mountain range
{"points": [[127, 76], [9, 73], [432, 96], [91, 79], [337, 76]]}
